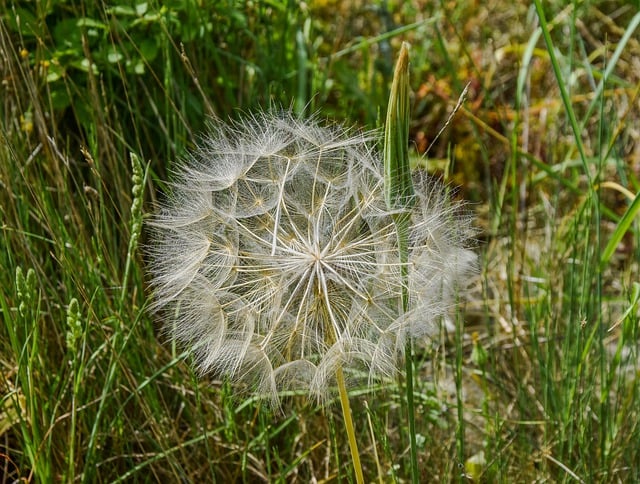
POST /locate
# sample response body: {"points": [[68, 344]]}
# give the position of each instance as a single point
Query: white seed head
{"points": [[276, 261]]}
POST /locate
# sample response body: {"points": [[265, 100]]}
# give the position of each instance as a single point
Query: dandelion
{"points": [[275, 258]]}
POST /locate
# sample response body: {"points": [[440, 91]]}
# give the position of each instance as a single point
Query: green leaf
{"points": [[149, 49]]}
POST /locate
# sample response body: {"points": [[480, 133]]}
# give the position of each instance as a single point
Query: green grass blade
{"points": [[564, 94], [611, 63], [623, 227]]}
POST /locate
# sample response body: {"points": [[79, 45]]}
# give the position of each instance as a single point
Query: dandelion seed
{"points": [[275, 258]]}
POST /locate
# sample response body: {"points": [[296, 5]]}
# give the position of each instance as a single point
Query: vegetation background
{"points": [[538, 379]]}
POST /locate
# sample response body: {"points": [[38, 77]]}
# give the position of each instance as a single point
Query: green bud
{"points": [[399, 191]]}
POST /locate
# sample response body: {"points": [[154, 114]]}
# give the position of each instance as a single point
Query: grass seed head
{"points": [[275, 257]]}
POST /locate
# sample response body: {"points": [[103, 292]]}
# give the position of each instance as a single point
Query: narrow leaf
{"points": [[621, 229]]}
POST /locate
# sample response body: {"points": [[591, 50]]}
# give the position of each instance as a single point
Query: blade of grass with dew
{"points": [[399, 195]]}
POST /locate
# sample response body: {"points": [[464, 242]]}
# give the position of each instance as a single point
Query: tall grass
{"points": [[536, 378]]}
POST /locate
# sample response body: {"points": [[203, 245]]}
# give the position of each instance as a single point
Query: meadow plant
{"points": [[275, 257], [289, 251]]}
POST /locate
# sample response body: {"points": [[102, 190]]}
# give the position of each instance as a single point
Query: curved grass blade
{"points": [[623, 226]]}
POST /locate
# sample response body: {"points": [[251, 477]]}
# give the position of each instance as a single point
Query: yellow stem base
{"points": [[348, 423]]}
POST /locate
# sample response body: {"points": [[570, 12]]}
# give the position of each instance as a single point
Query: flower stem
{"points": [[348, 423], [411, 413], [399, 194], [402, 224]]}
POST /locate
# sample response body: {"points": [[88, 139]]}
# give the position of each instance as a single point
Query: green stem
{"points": [[411, 412], [348, 423], [402, 224], [400, 197]]}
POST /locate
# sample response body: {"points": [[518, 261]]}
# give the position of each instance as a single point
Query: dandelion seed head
{"points": [[275, 259]]}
